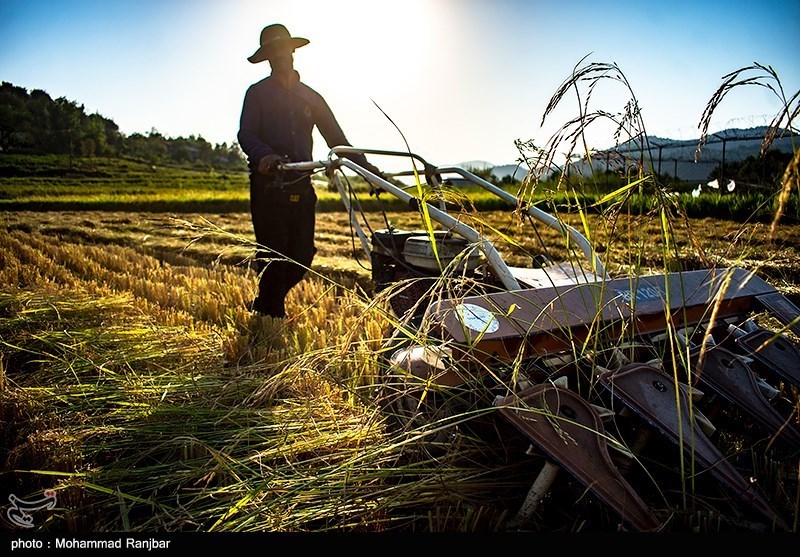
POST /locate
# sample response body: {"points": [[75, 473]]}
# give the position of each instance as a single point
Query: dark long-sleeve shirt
{"points": [[279, 120]]}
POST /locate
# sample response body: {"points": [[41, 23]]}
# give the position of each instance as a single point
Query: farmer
{"points": [[278, 117]]}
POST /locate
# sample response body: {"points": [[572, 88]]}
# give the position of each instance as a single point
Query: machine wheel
{"points": [[425, 412]]}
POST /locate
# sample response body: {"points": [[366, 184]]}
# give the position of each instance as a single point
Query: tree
{"points": [[764, 171], [35, 122], [485, 173]]}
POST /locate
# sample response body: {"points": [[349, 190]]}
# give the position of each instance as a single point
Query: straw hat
{"points": [[274, 36]]}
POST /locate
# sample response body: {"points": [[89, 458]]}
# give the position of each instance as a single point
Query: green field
{"points": [[56, 183]]}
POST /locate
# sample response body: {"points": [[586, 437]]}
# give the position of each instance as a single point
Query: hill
{"points": [[677, 157], [667, 156], [500, 171]]}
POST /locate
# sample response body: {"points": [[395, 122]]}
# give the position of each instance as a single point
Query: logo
{"points": [[18, 512], [477, 318], [642, 294]]}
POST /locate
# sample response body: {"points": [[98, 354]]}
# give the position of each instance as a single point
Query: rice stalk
{"points": [[783, 122]]}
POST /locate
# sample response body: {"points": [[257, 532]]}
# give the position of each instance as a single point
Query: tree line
{"points": [[33, 122]]}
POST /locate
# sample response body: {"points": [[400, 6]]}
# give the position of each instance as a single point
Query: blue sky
{"points": [[463, 79]]}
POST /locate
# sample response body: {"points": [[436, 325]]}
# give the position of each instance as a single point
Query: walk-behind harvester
{"points": [[650, 393]]}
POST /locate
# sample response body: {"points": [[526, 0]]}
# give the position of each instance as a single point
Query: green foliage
{"points": [[756, 206], [50, 182], [485, 173], [488, 175], [37, 124], [767, 170]]}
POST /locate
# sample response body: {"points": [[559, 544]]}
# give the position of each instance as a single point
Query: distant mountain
{"points": [[737, 144], [677, 157], [500, 171], [518, 170], [668, 156]]}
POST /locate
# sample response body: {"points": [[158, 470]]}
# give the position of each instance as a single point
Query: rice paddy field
{"points": [[138, 394], [138, 388]]}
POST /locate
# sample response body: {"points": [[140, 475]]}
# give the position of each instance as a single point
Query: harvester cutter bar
{"points": [[727, 374], [570, 432], [774, 352], [655, 397], [782, 308]]}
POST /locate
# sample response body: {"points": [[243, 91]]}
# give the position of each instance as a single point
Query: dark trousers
{"points": [[283, 221]]}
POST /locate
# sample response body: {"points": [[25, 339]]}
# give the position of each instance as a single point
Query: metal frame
{"points": [[336, 160]]}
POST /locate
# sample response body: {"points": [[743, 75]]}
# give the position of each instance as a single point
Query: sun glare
{"points": [[361, 53], [367, 41]]}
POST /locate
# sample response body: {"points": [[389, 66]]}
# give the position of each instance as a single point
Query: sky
{"points": [[461, 79]]}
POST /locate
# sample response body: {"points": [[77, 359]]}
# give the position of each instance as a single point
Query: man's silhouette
{"points": [[278, 117]]}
